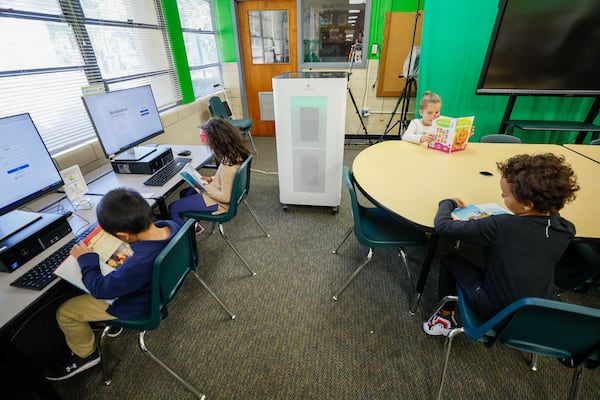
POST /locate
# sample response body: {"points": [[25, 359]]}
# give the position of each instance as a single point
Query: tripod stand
{"points": [[409, 85], [360, 117]]}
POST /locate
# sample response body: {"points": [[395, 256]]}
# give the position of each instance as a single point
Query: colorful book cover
{"points": [[477, 211], [451, 134]]}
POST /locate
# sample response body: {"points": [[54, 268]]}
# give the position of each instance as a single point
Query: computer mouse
{"points": [[184, 153]]}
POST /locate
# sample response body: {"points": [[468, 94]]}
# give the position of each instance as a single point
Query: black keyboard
{"points": [[170, 169], [42, 274]]}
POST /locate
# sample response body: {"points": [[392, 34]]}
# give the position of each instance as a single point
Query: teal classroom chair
{"points": [[595, 142], [218, 109], [239, 191], [499, 138], [374, 228], [171, 268], [567, 332], [579, 267]]}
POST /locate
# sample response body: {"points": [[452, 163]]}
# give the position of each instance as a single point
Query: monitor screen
{"points": [[541, 47], [28, 171], [124, 118]]}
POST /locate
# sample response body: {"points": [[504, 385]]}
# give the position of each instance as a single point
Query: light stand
{"points": [[409, 86], [362, 122]]}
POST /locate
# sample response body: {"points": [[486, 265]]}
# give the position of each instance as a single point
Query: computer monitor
{"points": [[123, 119], [28, 172]]}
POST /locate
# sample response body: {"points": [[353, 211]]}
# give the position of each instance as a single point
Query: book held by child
{"points": [[112, 251], [477, 211], [451, 134], [193, 178]]}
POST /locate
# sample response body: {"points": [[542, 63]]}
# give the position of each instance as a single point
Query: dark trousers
{"points": [[455, 270]]}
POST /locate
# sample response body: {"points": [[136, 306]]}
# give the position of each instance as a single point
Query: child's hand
{"points": [[207, 179], [80, 249], [426, 138], [459, 203]]}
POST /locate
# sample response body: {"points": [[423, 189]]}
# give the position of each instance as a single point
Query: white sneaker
{"points": [[440, 325]]}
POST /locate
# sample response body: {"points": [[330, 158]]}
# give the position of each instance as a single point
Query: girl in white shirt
{"points": [[422, 130]]}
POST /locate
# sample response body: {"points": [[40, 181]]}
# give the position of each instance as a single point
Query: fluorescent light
{"points": [[354, 11], [357, 1]]}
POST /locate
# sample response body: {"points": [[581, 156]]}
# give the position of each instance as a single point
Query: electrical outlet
{"points": [[374, 49]]}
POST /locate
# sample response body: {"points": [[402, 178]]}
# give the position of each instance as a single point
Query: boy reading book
{"points": [[125, 214]]}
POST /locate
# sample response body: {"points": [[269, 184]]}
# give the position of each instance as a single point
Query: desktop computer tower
{"points": [[147, 165], [310, 120]]}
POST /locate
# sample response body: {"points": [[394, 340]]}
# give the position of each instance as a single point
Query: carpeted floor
{"points": [[290, 340]]}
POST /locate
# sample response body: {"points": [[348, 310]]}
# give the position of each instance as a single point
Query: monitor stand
{"points": [[16, 220], [134, 154]]}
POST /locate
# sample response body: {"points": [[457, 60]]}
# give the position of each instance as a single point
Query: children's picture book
{"points": [[477, 211], [451, 134], [112, 251], [193, 178]]}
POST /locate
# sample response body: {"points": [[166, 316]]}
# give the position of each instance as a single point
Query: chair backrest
{"points": [[595, 142], [240, 188], [551, 328], [171, 267], [217, 108], [348, 179], [499, 138]]}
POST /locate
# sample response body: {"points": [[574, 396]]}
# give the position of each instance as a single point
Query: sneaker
{"points": [[114, 331], [440, 325], [198, 228], [72, 366]]}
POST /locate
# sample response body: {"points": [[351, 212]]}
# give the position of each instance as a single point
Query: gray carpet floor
{"points": [[290, 340]]}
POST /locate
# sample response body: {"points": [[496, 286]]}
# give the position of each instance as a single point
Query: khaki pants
{"points": [[73, 318]]}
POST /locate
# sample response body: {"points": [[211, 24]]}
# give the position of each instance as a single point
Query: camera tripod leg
{"points": [[362, 122]]}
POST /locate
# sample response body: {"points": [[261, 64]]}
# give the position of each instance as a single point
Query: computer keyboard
{"points": [[42, 274], [171, 169]]}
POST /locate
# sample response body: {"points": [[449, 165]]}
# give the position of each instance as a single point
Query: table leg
{"points": [[431, 247]]}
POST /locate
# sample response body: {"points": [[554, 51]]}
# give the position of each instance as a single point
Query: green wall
{"points": [[453, 47]]}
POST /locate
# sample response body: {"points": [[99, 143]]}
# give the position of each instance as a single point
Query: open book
{"points": [[451, 134], [476, 211], [193, 178], [112, 251]]}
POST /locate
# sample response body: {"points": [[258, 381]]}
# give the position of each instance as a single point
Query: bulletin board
{"points": [[395, 48]]}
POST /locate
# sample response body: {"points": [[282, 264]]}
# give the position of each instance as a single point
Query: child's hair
{"points": [[429, 98], [225, 141], [543, 179], [124, 210]]}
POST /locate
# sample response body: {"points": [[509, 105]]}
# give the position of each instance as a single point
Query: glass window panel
{"points": [[195, 14], [163, 88], [333, 32], [269, 36], [54, 43], [206, 81], [139, 11], [201, 49], [38, 6], [57, 111], [128, 51]]}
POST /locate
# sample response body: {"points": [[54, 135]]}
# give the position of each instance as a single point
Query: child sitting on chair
{"points": [[422, 130], [127, 215], [521, 249]]}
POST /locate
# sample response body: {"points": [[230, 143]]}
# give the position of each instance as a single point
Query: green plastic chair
{"points": [[218, 109], [374, 228], [171, 268], [499, 138], [239, 191], [567, 332], [595, 142]]}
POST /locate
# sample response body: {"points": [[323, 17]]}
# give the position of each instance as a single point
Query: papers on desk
{"points": [[477, 211]]}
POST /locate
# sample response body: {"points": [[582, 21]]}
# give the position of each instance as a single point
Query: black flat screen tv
{"points": [[544, 47]]}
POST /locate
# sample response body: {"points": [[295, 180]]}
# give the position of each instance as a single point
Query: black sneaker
{"points": [[72, 366]]}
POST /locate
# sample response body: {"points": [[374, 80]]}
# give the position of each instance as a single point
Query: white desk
{"points": [[109, 180], [409, 180]]}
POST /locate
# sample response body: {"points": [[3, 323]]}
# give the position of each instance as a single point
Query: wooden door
{"points": [[260, 67]]}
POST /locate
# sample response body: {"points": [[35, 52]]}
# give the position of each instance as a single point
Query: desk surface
{"points": [[15, 301], [409, 180], [586, 150]]}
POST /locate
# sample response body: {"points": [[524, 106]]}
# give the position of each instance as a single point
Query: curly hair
{"points": [[225, 141], [545, 180]]}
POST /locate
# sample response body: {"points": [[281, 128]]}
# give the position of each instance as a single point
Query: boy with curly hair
{"points": [[521, 249]]}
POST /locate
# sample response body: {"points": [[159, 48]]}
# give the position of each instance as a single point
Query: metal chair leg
{"points": [[235, 250], [253, 213], [166, 368], [252, 142], [106, 375], [354, 274], [232, 315], [534, 360], [576, 383], [402, 253], [447, 347], [346, 236]]}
